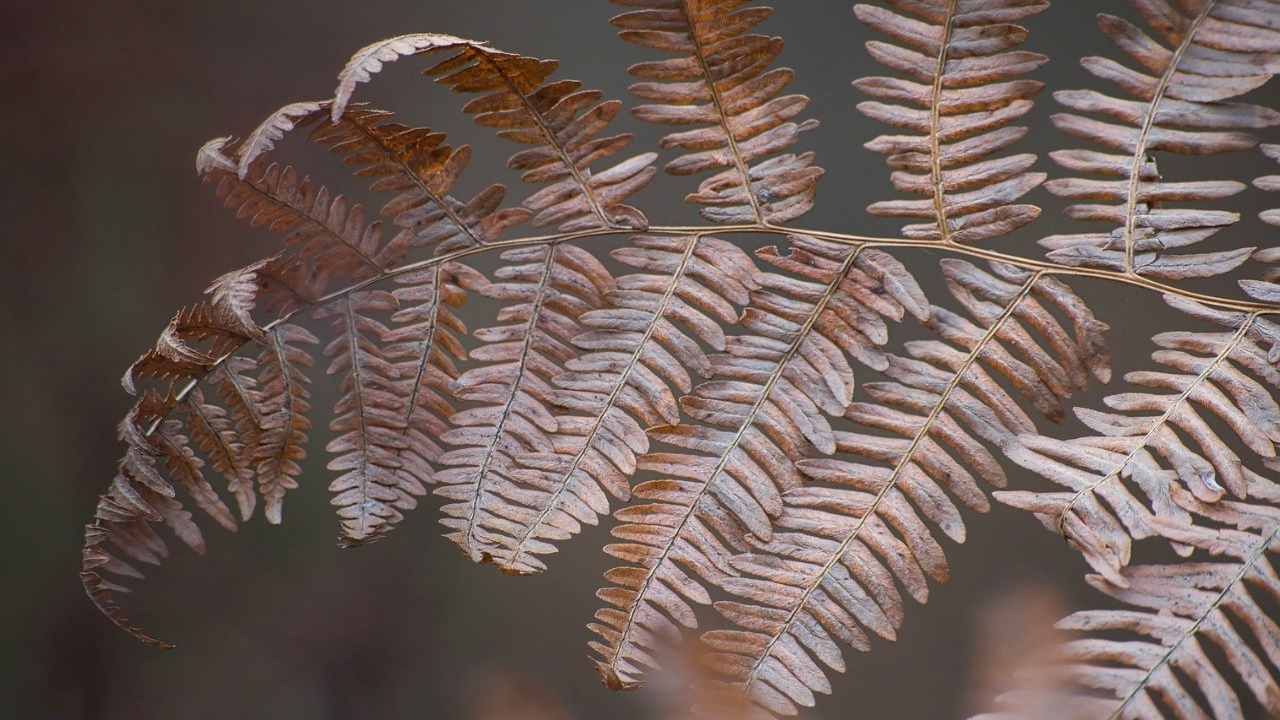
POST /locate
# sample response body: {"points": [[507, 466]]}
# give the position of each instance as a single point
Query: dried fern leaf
{"points": [[141, 494], [282, 382], [326, 237], [189, 347], [1162, 436], [561, 122], [263, 139], [1193, 633], [760, 413], [860, 524], [1204, 53], [720, 81], [214, 432], [645, 342], [394, 403], [544, 289], [420, 170], [961, 90]]}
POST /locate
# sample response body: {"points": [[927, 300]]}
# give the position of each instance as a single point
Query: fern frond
{"points": [[285, 401], [962, 91], [759, 414], [644, 343], [1118, 484], [1192, 631], [189, 347], [546, 290], [367, 425], [215, 433], [1205, 53], [263, 139], [139, 496], [325, 236], [420, 169], [558, 119], [720, 81], [856, 528]]}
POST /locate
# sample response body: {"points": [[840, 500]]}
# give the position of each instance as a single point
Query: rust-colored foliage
{"points": [[777, 456]]}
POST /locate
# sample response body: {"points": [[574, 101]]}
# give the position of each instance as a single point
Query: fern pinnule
{"points": [[759, 414], [1266, 289], [855, 527], [420, 170], [1192, 634], [1158, 438], [1205, 53], [546, 290], [560, 122], [963, 90], [216, 434], [643, 343], [719, 81]]}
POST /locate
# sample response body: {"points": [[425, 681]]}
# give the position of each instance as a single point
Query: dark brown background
{"points": [[110, 231]]}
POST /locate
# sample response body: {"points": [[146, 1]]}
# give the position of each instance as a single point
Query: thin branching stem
{"points": [[1039, 266]]}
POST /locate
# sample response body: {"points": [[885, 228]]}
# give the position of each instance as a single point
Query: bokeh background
{"points": [[109, 231]]}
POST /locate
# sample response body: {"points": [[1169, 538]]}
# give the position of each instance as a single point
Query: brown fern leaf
{"points": [[263, 139], [720, 81], [394, 401], [558, 119], [186, 470], [326, 237], [368, 426], [285, 399], [1205, 53], [645, 342], [239, 292], [235, 380], [139, 496], [760, 413], [544, 290], [1119, 483], [963, 90], [189, 347], [857, 526], [1197, 631], [420, 169], [215, 433]]}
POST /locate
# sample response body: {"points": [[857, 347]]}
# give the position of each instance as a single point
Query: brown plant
{"points": [[804, 512]]}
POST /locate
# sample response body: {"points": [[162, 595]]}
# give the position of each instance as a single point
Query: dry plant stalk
{"points": [[721, 374]]}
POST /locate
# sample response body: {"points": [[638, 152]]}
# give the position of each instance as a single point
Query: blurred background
{"points": [[109, 231]]}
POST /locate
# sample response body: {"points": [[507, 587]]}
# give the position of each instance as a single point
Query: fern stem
{"points": [[1041, 266]]}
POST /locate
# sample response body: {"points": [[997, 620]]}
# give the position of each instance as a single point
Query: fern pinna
{"points": [[762, 445]]}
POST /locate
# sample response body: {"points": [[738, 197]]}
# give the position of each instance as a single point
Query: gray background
{"points": [[110, 232]]}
